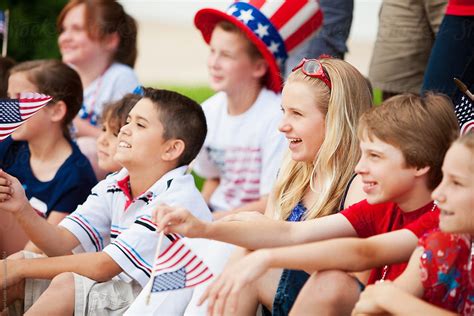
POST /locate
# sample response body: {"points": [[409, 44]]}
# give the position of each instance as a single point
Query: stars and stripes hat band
{"points": [[275, 27]]}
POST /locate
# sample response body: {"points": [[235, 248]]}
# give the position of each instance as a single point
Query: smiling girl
{"points": [[316, 178]]}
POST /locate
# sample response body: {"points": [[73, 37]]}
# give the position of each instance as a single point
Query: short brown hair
{"points": [[6, 64], [423, 128], [115, 113], [58, 80], [104, 17], [182, 118], [252, 50]]}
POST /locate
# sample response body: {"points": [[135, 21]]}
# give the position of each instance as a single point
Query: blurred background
{"points": [[172, 53]]}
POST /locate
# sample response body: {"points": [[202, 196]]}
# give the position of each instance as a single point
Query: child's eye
{"points": [[140, 125], [282, 109]]}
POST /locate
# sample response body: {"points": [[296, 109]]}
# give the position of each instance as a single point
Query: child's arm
{"points": [[348, 254], [84, 128], [97, 266], [210, 185], [54, 218], [52, 239], [249, 234], [386, 297]]}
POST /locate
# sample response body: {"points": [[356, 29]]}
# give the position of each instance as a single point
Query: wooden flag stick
{"points": [[5, 33], [463, 88], [157, 252]]}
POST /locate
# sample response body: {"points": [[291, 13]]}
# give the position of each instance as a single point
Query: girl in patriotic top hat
{"points": [[248, 45], [439, 279], [98, 38], [55, 174]]}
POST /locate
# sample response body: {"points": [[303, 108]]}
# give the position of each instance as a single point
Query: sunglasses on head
{"points": [[314, 69]]}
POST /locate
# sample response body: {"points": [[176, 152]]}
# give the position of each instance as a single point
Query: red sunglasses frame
{"points": [[314, 72]]}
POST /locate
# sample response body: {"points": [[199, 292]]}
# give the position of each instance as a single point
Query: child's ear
{"points": [[174, 150], [260, 68], [422, 171], [58, 111], [111, 41]]}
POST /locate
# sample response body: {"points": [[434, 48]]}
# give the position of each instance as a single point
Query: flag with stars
{"points": [[465, 113], [178, 267], [2, 23], [14, 112]]}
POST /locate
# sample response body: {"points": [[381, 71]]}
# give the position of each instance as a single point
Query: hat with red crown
{"points": [[275, 27]]}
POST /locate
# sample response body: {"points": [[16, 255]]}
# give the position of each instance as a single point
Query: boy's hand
{"points": [[177, 220], [8, 273], [223, 294], [12, 194], [369, 301]]}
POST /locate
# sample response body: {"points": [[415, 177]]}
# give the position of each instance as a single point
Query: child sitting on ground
{"points": [[54, 173], [440, 270], [113, 226], [403, 143], [113, 118]]}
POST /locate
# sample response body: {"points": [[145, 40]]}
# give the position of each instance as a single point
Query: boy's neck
{"points": [[417, 197], [238, 102], [142, 179]]}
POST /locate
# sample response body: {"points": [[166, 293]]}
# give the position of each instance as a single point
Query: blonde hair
{"points": [[335, 161]]}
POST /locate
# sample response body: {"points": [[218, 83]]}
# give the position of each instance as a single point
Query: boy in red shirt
{"points": [[403, 143]]}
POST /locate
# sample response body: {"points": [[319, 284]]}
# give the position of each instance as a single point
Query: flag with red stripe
{"points": [[178, 267], [14, 112]]}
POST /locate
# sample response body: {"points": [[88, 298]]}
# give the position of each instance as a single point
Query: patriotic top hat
{"points": [[276, 27]]}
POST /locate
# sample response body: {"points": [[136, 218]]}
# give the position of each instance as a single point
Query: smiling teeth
{"points": [[124, 145], [294, 140]]}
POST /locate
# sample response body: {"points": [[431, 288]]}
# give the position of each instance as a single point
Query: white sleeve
{"points": [[133, 249], [125, 83], [91, 221], [273, 147], [204, 166]]}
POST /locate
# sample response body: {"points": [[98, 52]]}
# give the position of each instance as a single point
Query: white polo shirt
{"points": [[110, 221]]}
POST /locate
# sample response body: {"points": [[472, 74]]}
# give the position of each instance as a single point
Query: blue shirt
{"points": [[70, 186]]}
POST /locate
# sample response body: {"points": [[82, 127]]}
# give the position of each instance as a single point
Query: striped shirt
{"points": [[112, 221]]}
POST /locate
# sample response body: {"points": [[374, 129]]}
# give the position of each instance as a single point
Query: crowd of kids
{"points": [[315, 201]]}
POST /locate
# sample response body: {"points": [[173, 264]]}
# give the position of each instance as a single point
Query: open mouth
{"points": [[294, 140], [123, 144]]}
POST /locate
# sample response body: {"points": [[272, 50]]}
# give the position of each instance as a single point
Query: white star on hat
{"points": [[274, 47], [246, 16], [262, 30], [231, 10]]}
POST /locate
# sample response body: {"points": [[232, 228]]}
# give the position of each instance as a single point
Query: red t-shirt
{"points": [[460, 7], [370, 220]]}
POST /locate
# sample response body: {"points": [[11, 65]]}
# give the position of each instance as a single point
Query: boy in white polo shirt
{"points": [[113, 226]]}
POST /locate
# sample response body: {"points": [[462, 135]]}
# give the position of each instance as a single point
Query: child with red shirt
{"points": [[403, 143], [440, 270]]}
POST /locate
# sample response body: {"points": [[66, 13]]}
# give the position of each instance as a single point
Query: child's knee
{"points": [[333, 287], [63, 280]]}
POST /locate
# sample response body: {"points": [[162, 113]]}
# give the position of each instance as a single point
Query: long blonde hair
{"points": [[335, 161]]}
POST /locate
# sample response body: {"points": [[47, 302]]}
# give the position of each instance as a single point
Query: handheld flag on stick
{"points": [[464, 108], [14, 112], [4, 17], [177, 267]]}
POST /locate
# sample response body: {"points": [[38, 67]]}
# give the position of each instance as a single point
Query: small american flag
{"points": [[465, 114], [14, 112], [178, 268], [2, 23]]}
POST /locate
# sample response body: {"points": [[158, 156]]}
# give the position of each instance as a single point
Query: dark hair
{"points": [[105, 17], [115, 113], [58, 80], [6, 64], [422, 127], [182, 118]]}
